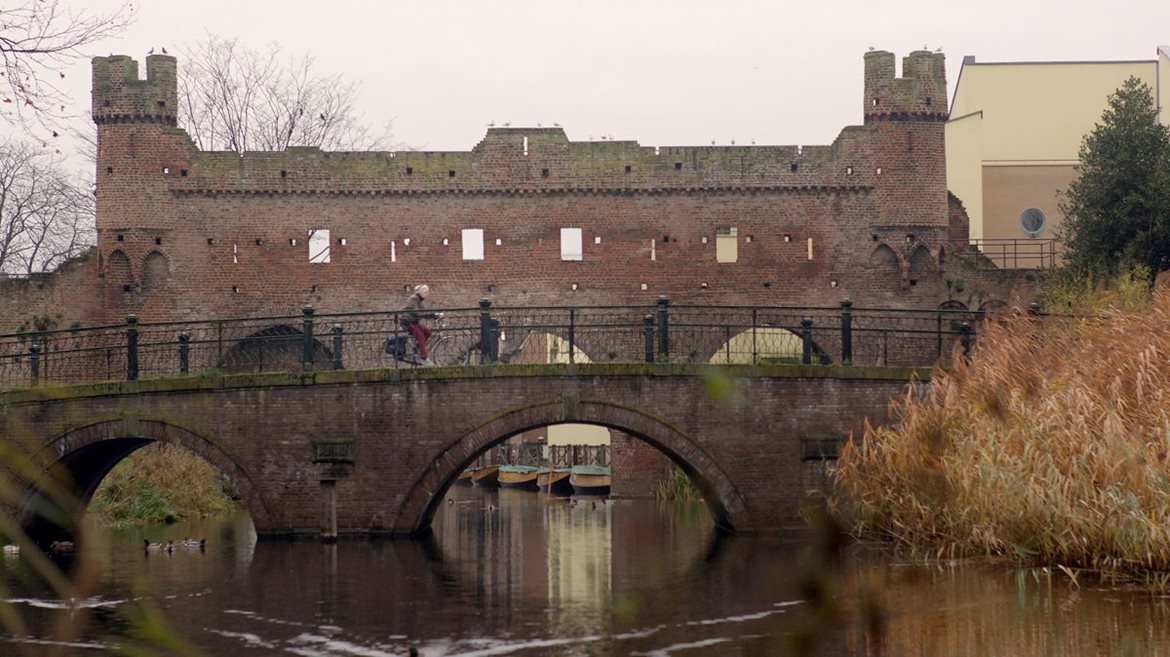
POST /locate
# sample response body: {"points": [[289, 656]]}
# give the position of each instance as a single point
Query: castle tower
{"points": [[139, 151], [908, 117]]}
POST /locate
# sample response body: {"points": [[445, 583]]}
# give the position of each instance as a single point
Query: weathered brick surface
{"points": [[184, 234], [414, 432]]}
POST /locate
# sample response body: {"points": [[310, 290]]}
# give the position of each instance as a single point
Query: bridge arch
{"points": [[88, 453], [723, 498]]}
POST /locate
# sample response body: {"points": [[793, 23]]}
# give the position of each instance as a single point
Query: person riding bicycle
{"points": [[412, 316]]}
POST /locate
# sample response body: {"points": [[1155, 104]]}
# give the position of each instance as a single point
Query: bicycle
{"points": [[442, 350]]}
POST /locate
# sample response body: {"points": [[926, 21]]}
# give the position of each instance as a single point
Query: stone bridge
{"points": [[371, 452]]}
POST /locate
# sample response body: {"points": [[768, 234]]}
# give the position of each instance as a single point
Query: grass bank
{"points": [[1050, 446], [161, 483]]}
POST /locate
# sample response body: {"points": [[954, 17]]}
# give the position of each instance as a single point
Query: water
{"points": [[518, 573]]}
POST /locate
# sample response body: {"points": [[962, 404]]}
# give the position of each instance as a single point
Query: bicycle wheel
{"points": [[445, 351]]}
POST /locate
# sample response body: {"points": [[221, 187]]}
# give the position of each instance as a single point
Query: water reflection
{"points": [[518, 573]]}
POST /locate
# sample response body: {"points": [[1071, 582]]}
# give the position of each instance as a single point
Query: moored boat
{"points": [[554, 482], [486, 477], [464, 478], [590, 479], [518, 476]]}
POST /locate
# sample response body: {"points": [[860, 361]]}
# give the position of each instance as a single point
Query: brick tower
{"points": [[139, 150]]}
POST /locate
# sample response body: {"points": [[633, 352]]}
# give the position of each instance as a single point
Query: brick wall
{"points": [[185, 234]]}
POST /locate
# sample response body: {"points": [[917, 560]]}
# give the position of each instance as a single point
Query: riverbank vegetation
{"points": [[1050, 446], [161, 483]]}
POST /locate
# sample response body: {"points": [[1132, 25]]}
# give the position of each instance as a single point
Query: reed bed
{"points": [[1048, 446], [161, 483]]}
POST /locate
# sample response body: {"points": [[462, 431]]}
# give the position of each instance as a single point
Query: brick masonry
{"points": [[411, 433], [185, 234]]}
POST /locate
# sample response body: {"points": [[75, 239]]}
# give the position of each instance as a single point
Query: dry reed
{"points": [[1048, 446]]}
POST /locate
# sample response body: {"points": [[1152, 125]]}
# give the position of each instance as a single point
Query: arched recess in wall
{"points": [[920, 261], [156, 271], [767, 346], [275, 349], [118, 274], [886, 267]]}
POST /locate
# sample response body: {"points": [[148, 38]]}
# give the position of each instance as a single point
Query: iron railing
{"points": [[662, 332], [1010, 253]]}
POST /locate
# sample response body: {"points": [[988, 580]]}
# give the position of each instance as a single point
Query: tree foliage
{"points": [[38, 40], [232, 97], [1118, 210], [46, 214]]}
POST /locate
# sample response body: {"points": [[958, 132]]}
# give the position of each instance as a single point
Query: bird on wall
{"points": [[164, 50], [151, 51]]}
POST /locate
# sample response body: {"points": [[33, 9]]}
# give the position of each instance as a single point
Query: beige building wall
{"points": [[1016, 130]]}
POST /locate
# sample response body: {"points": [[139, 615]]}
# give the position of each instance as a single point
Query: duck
{"points": [[11, 549], [169, 546], [61, 546], [193, 543]]}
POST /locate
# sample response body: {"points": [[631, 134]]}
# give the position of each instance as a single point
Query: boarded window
{"points": [[571, 246], [319, 245], [473, 244], [726, 244]]}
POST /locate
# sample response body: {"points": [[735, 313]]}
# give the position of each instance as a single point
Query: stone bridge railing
{"points": [[733, 335]]}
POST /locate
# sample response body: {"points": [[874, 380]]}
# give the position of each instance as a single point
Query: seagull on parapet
{"points": [[164, 49], [508, 124], [150, 52]]}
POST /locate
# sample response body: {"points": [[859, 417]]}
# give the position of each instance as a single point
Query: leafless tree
{"points": [[232, 97], [46, 215], [38, 40]]}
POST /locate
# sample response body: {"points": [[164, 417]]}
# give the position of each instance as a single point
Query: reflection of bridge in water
{"points": [[349, 443]]}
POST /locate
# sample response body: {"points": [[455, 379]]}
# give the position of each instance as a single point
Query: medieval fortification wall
{"points": [[184, 234]]}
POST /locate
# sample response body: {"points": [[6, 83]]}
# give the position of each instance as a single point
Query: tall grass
{"points": [[161, 483], [1050, 445]]}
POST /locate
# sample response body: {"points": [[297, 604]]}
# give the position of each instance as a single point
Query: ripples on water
{"points": [[517, 573]]}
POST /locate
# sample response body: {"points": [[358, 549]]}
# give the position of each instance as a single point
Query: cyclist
{"points": [[412, 316]]}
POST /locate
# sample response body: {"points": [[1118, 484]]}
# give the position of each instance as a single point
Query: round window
{"points": [[1032, 221]]}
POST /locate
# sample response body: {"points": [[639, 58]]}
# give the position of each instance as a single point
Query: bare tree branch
{"points": [[46, 217], [235, 98], [38, 40]]}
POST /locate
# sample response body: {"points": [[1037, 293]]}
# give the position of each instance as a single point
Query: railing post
{"points": [[663, 328], [486, 331], [34, 363], [307, 338], [131, 347], [572, 333], [184, 353], [967, 338], [846, 331], [648, 331], [337, 346], [806, 341]]}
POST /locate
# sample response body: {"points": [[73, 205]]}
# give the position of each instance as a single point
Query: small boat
{"points": [[487, 477], [554, 482], [464, 478], [518, 476], [590, 479]]}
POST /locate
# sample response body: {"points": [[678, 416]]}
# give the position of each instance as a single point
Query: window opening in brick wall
{"points": [[653, 250], [183, 173], [726, 244], [472, 243], [121, 237], [629, 168], [341, 241], [410, 171], [810, 248], [292, 242], [158, 241], [879, 171], [235, 254], [849, 171], [319, 245], [499, 241], [597, 240], [451, 173], [166, 171], [678, 166], [210, 241], [109, 169], [259, 242], [544, 173], [235, 289], [393, 251], [406, 242], [283, 173], [526, 146], [795, 167], [571, 246], [645, 287]]}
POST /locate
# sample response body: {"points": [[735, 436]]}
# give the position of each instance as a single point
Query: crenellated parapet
{"points": [[921, 92], [119, 95]]}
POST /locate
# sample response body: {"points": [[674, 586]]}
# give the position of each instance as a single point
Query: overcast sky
{"points": [[677, 73]]}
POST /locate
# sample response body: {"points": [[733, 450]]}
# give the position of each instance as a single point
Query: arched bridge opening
{"points": [[724, 500], [68, 471]]}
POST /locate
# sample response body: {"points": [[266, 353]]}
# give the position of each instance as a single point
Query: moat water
{"points": [[518, 573]]}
